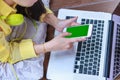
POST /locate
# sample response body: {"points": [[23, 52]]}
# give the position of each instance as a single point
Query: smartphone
{"points": [[79, 31]]}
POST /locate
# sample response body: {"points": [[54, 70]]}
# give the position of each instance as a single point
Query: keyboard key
{"points": [[89, 72], [91, 21], [94, 72], [95, 22], [68, 17], [81, 69], [76, 67], [85, 70]]}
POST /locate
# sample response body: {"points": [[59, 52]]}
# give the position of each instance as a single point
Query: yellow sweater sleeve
{"points": [[14, 52], [5, 9], [43, 15]]}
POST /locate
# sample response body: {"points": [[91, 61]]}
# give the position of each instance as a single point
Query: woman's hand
{"points": [[57, 44], [61, 24], [61, 43]]}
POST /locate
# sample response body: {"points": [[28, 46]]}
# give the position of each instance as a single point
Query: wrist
{"points": [[41, 48], [46, 46]]}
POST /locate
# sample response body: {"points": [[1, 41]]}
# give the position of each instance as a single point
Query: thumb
{"points": [[74, 24], [64, 34]]}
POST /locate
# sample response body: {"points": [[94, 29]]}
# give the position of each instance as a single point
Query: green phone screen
{"points": [[77, 31]]}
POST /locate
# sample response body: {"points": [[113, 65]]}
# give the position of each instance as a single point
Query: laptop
{"points": [[96, 58]]}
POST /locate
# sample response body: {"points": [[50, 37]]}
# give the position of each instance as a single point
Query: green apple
{"points": [[15, 19]]}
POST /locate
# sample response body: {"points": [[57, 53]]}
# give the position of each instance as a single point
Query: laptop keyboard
{"points": [[117, 53], [88, 54]]}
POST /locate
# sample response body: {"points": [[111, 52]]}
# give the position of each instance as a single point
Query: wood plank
{"points": [[107, 6], [56, 4]]}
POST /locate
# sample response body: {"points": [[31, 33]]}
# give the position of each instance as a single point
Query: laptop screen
{"points": [[117, 53]]}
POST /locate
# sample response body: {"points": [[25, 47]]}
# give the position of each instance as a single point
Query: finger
{"points": [[77, 39], [76, 18], [64, 34], [70, 21]]}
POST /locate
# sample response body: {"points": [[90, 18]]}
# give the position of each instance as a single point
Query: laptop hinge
{"points": [[109, 50]]}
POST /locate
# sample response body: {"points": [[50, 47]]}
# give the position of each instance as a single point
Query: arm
{"points": [[51, 19], [59, 24], [13, 52], [58, 43]]}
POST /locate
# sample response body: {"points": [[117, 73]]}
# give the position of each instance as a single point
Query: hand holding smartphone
{"points": [[79, 31]]}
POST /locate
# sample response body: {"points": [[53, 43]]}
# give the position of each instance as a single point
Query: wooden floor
{"points": [[56, 4], [93, 5]]}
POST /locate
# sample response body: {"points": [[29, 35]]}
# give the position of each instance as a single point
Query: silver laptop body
{"points": [[88, 60]]}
